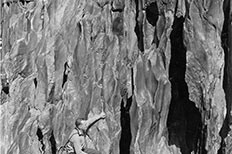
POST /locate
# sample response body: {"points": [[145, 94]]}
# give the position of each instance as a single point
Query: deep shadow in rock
{"points": [[139, 26], [125, 120], [65, 74], [152, 16], [152, 13], [53, 143], [39, 134], [35, 82], [5, 86], [184, 119], [125, 139]]}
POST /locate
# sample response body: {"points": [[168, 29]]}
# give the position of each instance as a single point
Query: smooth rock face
{"points": [[159, 69]]}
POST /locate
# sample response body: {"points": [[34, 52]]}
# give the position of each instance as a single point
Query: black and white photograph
{"points": [[116, 77]]}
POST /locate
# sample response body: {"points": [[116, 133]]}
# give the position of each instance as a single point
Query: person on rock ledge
{"points": [[77, 139]]}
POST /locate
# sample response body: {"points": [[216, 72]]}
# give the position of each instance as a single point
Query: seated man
{"points": [[77, 139]]}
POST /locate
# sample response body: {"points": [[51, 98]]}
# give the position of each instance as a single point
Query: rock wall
{"points": [[159, 69], [226, 36], [205, 63]]}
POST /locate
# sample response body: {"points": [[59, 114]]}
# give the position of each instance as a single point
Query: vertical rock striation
{"points": [[204, 68], [157, 68], [227, 84]]}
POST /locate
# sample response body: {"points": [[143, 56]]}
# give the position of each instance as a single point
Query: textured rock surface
{"points": [[205, 62], [159, 69], [226, 131]]}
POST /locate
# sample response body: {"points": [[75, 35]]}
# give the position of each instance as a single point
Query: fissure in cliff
{"points": [[126, 136], [184, 119], [139, 25], [39, 134], [53, 143]]}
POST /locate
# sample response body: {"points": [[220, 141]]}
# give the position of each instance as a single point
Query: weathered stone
{"points": [[159, 69]]}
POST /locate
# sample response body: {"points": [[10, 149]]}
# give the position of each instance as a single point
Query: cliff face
{"points": [[159, 69]]}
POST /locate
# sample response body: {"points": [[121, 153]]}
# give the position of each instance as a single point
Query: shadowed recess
{"points": [[9, 2], [152, 13], [25, 1], [5, 89], [53, 143], [40, 137], [184, 119], [125, 139], [35, 82], [125, 121], [139, 25], [65, 74], [5, 86], [152, 16]]}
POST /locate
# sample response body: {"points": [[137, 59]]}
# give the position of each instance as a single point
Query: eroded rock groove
{"points": [[39, 134], [125, 139], [139, 24], [53, 143], [125, 120], [184, 119]]}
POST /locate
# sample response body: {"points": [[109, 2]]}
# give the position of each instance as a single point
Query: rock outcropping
{"points": [[159, 69]]}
